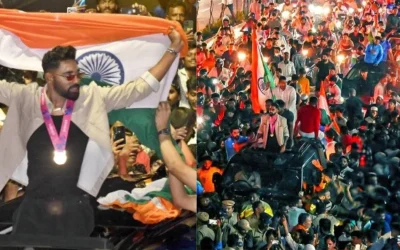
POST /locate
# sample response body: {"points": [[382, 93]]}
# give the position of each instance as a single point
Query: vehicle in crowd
{"points": [[375, 73], [114, 229], [282, 175]]}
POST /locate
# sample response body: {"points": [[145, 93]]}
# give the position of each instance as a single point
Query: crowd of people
{"points": [[334, 82]]}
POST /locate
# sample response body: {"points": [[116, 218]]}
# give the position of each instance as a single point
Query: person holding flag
{"points": [[62, 151]]}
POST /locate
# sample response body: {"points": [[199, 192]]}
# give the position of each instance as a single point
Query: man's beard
{"points": [[68, 94]]}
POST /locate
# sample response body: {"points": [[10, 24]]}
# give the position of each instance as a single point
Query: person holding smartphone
{"points": [[59, 138], [179, 173]]}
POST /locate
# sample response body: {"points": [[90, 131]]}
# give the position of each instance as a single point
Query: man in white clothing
{"points": [[287, 67], [220, 72], [188, 70], [287, 94]]}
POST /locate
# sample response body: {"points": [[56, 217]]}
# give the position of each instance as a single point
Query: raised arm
{"points": [[121, 96], [171, 157], [8, 91]]}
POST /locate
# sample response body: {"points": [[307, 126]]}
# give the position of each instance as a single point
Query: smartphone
{"points": [[130, 11], [119, 133], [213, 222], [188, 25]]}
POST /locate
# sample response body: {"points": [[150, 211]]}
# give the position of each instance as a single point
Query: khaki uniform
{"points": [[204, 231]]}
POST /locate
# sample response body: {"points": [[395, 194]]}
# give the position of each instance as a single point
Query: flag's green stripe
{"points": [[140, 121]]}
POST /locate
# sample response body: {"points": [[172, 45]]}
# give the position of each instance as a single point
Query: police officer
{"points": [[203, 231], [229, 219], [245, 233], [260, 232]]}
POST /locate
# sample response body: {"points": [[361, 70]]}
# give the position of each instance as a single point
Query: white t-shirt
{"points": [[227, 2]]}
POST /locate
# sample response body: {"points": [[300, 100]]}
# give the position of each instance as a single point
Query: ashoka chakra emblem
{"points": [[102, 66]]}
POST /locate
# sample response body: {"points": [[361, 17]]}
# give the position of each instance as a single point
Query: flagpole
{"points": [[262, 60]]}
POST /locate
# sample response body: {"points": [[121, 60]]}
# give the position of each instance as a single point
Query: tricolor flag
{"points": [[149, 205], [111, 49], [261, 75]]}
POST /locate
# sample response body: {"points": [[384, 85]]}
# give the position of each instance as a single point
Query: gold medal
{"points": [[60, 157]]}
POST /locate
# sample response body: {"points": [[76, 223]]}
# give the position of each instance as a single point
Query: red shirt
{"points": [[309, 118], [347, 140]]}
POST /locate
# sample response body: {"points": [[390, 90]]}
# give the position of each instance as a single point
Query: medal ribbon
{"points": [[59, 141]]}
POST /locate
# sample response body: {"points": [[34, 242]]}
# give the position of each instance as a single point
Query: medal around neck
{"points": [[60, 157], [59, 141]]}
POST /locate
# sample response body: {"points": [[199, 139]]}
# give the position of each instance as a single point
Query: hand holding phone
{"points": [[119, 134]]}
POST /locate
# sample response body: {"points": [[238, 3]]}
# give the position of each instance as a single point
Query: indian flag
{"points": [[149, 205], [111, 49], [261, 75]]}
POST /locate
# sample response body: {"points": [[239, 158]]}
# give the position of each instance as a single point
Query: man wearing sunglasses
{"points": [[55, 140]]}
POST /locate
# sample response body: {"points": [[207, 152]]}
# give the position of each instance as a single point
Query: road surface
{"points": [[203, 15]]}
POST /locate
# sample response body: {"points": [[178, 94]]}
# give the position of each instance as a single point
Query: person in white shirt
{"points": [[380, 87], [287, 67], [287, 94], [188, 70], [219, 71]]}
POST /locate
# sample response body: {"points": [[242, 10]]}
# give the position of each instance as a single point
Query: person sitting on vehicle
{"points": [[308, 120], [374, 52], [273, 131], [249, 175], [380, 88]]}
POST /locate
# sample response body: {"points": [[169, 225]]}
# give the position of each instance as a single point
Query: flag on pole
{"points": [[261, 75], [110, 48]]}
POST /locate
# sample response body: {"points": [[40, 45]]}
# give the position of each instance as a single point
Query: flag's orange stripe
{"points": [[254, 81], [47, 30], [148, 213]]}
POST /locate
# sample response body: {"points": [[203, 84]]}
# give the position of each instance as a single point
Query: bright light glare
{"points": [[286, 15], [340, 58], [215, 81], [351, 11], [305, 52], [364, 3], [266, 59], [313, 30], [338, 24], [241, 56], [200, 120], [326, 11], [311, 8], [307, 69]]}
